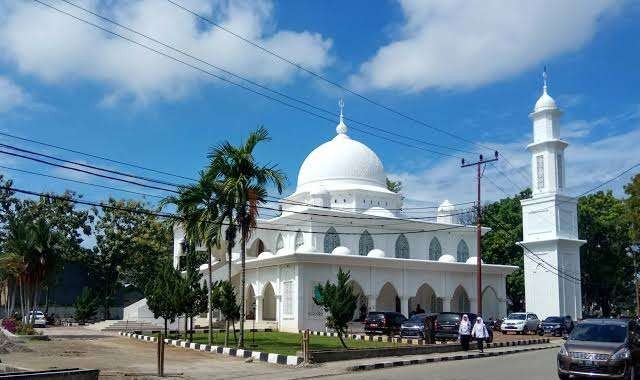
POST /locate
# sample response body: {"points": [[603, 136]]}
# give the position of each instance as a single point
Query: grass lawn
{"points": [[289, 343]]}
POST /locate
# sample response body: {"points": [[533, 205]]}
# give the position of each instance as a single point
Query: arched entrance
{"points": [[425, 297], [268, 303], [388, 299], [490, 307], [250, 303], [460, 301], [256, 248], [362, 306]]}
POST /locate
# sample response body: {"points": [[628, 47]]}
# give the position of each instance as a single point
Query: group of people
{"points": [[467, 331]]}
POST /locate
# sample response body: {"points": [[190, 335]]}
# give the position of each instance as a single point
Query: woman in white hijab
{"points": [[480, 332], [465, 332]]}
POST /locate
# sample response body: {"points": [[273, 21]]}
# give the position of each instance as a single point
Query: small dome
{"points": [[341, 251], [265, 255], [304, 248], [379, 211], [473, 260], [445, 206], [284, 251], [545, 102], [447, 259], [376, 253]]}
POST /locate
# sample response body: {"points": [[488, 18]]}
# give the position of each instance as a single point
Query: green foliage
{"points": [[339, 301], [632, 189], [86, 305], [164, 293], [606, 269], [395, 186], [504, 217], [193, 294], [223, 298]]}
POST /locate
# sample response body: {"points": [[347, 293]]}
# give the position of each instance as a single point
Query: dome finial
{"points": [[544, 80], [341, 129]]}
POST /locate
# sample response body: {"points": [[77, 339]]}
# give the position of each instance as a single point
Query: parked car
{"points": [[39, 321], [520, 323], [383, 322], [448, 323], [556, 326], [568, 323], [414, 326], [602, 348]]}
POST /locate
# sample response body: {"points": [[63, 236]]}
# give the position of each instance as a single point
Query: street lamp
{"points": [[632, 251]]}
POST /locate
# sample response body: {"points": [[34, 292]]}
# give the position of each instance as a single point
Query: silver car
{"points": [[520, 323]]}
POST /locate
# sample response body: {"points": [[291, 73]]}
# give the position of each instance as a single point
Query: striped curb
{"points": [[402, 363], [156, 331], [388, 339], [290, 360]]}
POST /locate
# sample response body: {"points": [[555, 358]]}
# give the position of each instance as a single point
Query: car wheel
{"points": [[525, 330], [563, 376]]}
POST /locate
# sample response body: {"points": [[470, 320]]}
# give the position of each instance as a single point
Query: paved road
{"points": [[536, 365]]}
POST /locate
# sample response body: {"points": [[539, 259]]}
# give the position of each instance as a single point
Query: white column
{"points": [[446, 304], [371, 303], [473, 305], [258, 308], [404, 306]]}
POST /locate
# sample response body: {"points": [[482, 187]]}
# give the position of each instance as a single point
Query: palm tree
{"points": [[244, 187], [198, 206]]}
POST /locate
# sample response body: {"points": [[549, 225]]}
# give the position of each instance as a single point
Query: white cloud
{"points": [[588, 164], [11, 95], [58, 49], [465, 43]]}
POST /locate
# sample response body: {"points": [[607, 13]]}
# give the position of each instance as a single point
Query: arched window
{"points": [[366, 243], [402, 247], [463, 251], [279, 243], [435, 249], [299, 239], [331, 240]]}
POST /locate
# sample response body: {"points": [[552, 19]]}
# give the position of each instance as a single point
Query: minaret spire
{"points": [[341, 129], [544, 80]]}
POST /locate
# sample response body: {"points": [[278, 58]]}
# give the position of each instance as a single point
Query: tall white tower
{"points": [[550, 222]]}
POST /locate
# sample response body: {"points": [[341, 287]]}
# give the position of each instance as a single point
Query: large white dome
{"points": [[341, 163]]}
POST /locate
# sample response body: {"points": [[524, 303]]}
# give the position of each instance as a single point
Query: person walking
{"points": [[480, 332], [465, 332]]}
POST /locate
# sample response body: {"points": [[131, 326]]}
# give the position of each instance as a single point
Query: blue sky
{"points": [[471, 68]]}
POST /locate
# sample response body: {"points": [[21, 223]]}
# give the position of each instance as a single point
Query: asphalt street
{"points": [[536, 365]]}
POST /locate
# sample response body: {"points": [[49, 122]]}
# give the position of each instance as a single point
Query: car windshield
{"points": [[592, 332], [554, 320], [448, 317], [375, 316], [518, 317], [416, 318]]}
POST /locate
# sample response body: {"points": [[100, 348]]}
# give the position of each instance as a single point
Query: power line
{"points": [[81, 182], [235, 75], [240, 85]]}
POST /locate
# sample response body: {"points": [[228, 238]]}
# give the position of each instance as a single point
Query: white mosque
{"points": [[343, 216]]}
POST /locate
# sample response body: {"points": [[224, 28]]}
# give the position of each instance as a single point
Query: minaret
{"points": [[550, 222]]}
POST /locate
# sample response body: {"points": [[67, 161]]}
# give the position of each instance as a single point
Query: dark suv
{"points": [[448, 323], [602, 348], [383, 322]]}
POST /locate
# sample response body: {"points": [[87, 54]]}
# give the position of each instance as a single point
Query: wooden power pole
{"points": [[480, 166]]}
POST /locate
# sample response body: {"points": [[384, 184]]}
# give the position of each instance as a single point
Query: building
{"points": [[550, 221], [343, 216]]}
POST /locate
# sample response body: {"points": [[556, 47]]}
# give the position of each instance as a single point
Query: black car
{"points": [[448, 323], [383, 322], [555, 326], [414, 326]]}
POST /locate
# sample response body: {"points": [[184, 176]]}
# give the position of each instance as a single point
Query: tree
{"points": [[339, 301], [198, 206], [165, 293], [194, 295], [129, 245], [504, 217], [606, 269], [86, 305], [395, 186], [243, 191], [224, 298], [632, 189]]}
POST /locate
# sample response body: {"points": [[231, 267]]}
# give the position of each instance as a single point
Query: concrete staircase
{"points": [[124, 325]]}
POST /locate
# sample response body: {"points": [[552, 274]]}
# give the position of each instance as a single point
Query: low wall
{"points": [[351, 354], [53, 374]]}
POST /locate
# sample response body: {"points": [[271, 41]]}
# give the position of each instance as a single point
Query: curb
{"points": [[268, 357], [416, 341], [402, 363]]}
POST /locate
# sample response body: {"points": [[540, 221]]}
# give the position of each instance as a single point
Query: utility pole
{"points": [[632, 252], [480, 163]]}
